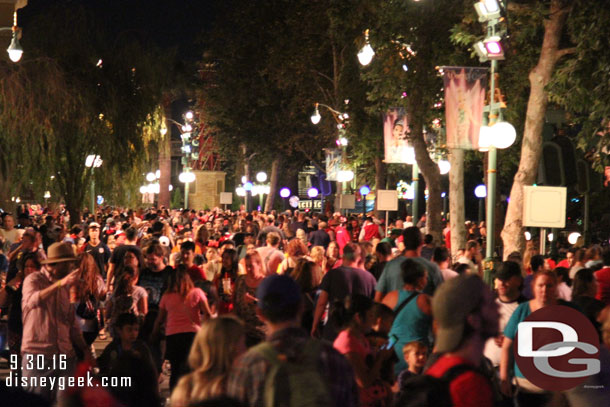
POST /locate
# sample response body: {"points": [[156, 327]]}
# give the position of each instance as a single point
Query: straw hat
{"points": [[58, 253]]}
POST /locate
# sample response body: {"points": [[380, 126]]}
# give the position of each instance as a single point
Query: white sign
{"points": [[226, 198], [345, 202], [310, 204], [387, 200], [544, 207]]}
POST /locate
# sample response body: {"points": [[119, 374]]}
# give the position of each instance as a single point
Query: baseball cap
{"points": [[277, 291], [507, 270], [453, 301]]}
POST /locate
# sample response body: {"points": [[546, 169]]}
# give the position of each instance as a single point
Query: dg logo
{"points": [[557, 348]]}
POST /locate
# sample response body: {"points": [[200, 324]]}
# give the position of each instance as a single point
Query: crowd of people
{"points": [[293, 309]]}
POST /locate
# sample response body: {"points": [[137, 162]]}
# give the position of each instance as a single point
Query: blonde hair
{"points": [[413, 346], [318, 255], [212, 355]]}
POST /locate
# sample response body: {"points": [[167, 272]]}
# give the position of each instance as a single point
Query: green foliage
{"points": [[70, 106]]}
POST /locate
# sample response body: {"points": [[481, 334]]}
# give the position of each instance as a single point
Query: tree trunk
{"points": [[432, 175], [380, 180], [531, 146], [456, 201], [165, 158], [275, 174]]}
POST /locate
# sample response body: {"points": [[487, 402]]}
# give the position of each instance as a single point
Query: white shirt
{"points": [[493, 351]]}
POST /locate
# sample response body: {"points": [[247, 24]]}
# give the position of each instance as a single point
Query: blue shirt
{"points": [[391, 277]]}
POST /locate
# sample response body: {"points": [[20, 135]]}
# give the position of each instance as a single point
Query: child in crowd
{"points": [[416, 355], [127, 327]]}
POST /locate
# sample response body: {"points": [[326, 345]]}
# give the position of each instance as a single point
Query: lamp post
{"points": [[364, 191], [497, 134], [481, 193], [93, 161], [285, 194], [186, 178]]}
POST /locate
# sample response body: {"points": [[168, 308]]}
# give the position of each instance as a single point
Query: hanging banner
{"points": [[464, 101], [395, 137], [333, 164]]}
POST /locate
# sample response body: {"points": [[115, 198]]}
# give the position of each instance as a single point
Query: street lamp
{"points": [[364, 191], [284, 193], [93, 161], [186, 177], [150, 177], [14, 50], [366, 54], [573, 237], [261, 176], [481, 192], [312, 192]]}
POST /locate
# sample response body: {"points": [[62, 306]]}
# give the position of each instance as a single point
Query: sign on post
{"points": [[226, 198], [544, 207], [387, 200], [345, 202]]}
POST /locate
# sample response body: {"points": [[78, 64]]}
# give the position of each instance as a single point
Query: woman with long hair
{"points": [[244, 298], [318, 255], [225, 280], [126, 297], [333, 256], [180, 312], [215, 347], [88, 294], [356, 316], [544, 287], [201, 239], [294, 251], [308, 277]]}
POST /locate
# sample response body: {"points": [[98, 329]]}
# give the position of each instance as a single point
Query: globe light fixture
{"points": [[244, 179], [366, 54], [480, 191], [47, 195], [345, 175], [315, 117], [528, 235], [158, 174], [189, 115], [485, 136], [444, 166], [294, 201], [573, 237], [261, 176], [312, 192], [150, 177], [186, 177], [240, 191], [248, 186], [144, 189], [365, 190], [284, 193], [503, 135]]}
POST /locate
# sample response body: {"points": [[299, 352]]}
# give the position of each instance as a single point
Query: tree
{"points": [[415, 35], [97, 96]]}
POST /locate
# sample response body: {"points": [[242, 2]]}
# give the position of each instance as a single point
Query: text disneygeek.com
{"points": [[63, 382]]}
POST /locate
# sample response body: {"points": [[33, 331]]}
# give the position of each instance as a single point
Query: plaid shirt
{"points": [[247, 378]]}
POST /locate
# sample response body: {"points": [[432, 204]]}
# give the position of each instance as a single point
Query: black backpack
{"points": [[424, 390]]}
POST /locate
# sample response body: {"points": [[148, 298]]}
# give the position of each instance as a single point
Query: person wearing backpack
{"points": [[466, 316], [290, 368]]}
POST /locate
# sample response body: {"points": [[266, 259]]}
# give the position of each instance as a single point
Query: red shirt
{"points": [[196, 273], [468, 389], [603, 285]]}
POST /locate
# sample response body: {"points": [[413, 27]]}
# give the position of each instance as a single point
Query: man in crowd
{"points": [[280, 307], [391, 278], [98, 249], [320, 237], [508, 286], [339, 283], [187, 257], [473, 257], [8, 233], [271, 255], [466, 316], [50, 328]]}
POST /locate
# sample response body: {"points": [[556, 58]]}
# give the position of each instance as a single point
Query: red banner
{"points": [[464, 102]]}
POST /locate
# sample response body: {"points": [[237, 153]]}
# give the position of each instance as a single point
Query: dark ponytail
{"points": [[344, 311]]}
